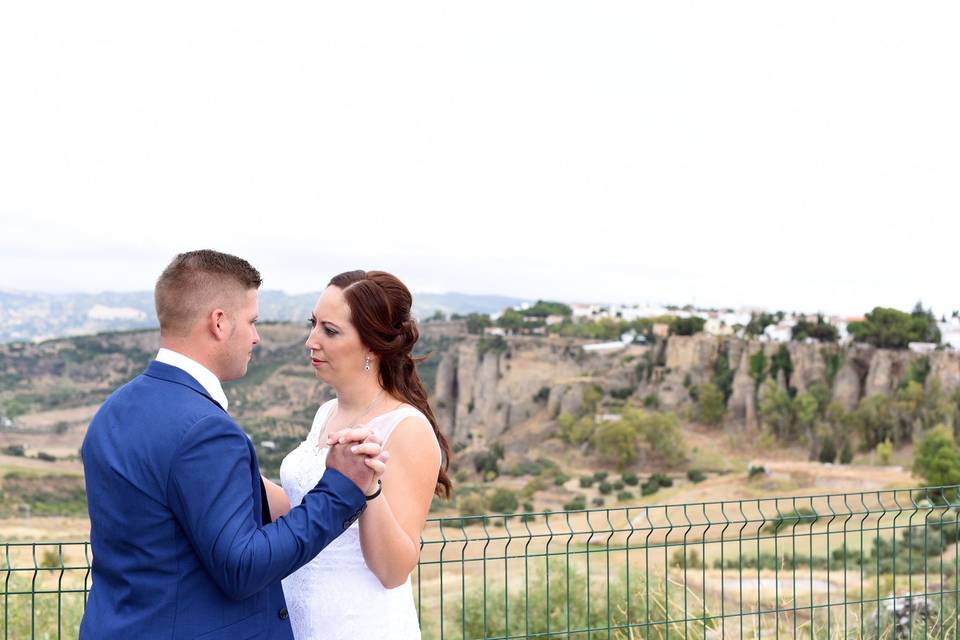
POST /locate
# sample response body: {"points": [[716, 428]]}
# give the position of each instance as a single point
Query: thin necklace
{"points": [[322, 441]]}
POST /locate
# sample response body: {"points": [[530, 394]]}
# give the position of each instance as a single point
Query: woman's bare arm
{"points": [[277, 498], [390, 526]]}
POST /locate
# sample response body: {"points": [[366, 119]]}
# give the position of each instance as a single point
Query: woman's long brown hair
{"points": [[380, 310]]}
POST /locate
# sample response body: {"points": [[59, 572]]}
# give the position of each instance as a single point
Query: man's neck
{"points": [[198, 355]]}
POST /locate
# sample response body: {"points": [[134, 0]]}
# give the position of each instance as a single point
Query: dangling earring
{"points": [[366, 363]]}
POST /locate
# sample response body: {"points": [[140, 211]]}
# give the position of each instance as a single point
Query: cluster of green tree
{"points": [[544, 308], [821, 330], [654, 434], [686, 326], [604, 328], [762, 367], [760, 321], [808, 417], [893, 329]]}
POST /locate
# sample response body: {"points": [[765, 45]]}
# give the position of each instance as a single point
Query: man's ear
{"points": [[217, 324]]}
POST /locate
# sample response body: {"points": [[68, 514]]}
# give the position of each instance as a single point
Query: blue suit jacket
{"points": [[179, 548]]}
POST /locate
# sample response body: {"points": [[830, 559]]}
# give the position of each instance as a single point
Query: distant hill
{"points": [[29, 316]]}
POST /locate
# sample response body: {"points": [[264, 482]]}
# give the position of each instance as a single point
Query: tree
{"points": [[780, 361], [723, 374], [477, 322], [758, 368], [805, 412], [544, 308], [821, 331], [575, 431], [687, 326], [711, 406], [776, 410], [661, 432], [617, 441], [875, 421], [893, 329], [511, 320], [937, 458], [759, 322]]}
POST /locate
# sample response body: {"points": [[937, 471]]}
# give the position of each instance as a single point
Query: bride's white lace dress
{"points": [[335, 595]]}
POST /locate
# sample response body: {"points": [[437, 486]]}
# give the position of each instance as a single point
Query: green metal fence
{"points": [[880, 564]]}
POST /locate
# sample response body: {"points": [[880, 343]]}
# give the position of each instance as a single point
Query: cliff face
{"points": [[482, 391]]}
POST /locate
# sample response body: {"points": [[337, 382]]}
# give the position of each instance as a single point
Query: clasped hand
{"points": [[358, 454]]}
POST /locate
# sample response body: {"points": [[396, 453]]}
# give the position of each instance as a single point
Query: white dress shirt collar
{"points": [[199, 372]]}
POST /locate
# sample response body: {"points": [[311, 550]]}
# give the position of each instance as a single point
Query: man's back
{"points": [[147, 575]]}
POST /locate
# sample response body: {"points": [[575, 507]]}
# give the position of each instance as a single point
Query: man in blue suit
{"points": [[180, 548]]}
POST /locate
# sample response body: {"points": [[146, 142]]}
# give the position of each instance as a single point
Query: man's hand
{"points": [[357, 454]]}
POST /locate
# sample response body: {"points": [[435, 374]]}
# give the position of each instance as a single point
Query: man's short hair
{"points": [[196, 281]]}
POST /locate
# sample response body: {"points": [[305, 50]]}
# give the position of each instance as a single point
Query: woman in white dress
{"points": [[360, 343]]}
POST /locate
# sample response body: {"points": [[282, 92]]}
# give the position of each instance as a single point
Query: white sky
{"points": [[798, 155]]}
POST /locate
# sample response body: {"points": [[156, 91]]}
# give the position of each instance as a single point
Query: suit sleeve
{"points": [[210, 493]]}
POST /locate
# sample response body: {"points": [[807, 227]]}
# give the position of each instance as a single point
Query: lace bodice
{"points": [[336, 595]]}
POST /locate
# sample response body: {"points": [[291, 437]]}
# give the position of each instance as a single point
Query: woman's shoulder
{"points": [[410, 420]]}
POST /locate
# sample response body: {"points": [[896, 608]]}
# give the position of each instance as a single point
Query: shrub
{"points": [[622, 394], [486, 462], [846, 453], [578, 503], [618, 486], [711, 405], [605, 488], [472, 504], [683, 558], [15, 450], [597, 501], [541, 396], [884, 452], [560, 479], [651, 401], [600, 476], [532, 487], [624, 495], [47, 457], [51, 559], [503, 501], [828, 450], [661, 480], [586, 482], [695, 475], [630, 479], [526, 468], [755, 470], [574, 431], [937, 458]]}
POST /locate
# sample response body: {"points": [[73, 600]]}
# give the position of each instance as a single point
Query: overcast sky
{"points": [[798, 155]]}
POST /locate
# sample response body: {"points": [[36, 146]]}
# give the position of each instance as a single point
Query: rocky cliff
{"points": [[484, 388]]}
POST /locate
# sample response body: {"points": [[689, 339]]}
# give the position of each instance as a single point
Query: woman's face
{"points": [[336, 351]]}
